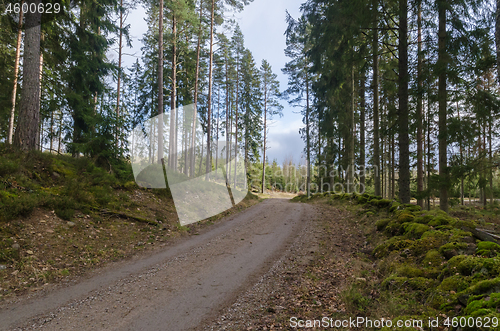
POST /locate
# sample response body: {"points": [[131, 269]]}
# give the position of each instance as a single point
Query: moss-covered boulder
{"points": [[405, 217], [381, 224], [414, 283], [452, 249], [415, 230], [489, 249]]}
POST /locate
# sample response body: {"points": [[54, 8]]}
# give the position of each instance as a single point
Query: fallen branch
{"points": [[484, 236]]}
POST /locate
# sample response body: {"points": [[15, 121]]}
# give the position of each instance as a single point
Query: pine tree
{"points": [[270, 89], [26, 135]]}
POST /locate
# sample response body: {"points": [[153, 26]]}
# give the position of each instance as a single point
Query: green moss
{"points": [[488, 302], [383, 203], [449, 250], [423, 245], [381, 224], [415, 230], [394, 228], [454, 283], [405, 217], [409, 208], [416, 283], [487, 286], [393, 244], [473, 264], [409, 271], [394, 207], [487, 248], [432, 258]]}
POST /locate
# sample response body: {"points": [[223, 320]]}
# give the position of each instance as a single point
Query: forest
{"points": [[398, 98]]}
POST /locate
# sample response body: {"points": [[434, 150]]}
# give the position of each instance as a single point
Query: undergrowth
{"points": [[424, 264]]}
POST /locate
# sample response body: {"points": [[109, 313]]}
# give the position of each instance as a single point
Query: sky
{"points": [[263, 25]]}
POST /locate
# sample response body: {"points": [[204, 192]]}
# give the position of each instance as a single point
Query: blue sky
{"points": [[263, 24]]}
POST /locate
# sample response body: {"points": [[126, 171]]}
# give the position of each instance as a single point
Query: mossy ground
{"points": [[61, 216], [422, 264]]}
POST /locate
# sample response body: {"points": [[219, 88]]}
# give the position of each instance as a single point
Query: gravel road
{"points": [[185, 286]]}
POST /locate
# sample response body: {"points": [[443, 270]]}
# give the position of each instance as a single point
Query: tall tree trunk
{"points": [[308, 147], [404, 142], [376, 124], [350, 137], [393, 166], [209, 100], [40, 141], [420, 152], [60, 133], [25, 137], [362, 138], [442, 97], [217, 134], [16, 74], [428, 149], [461, 160], [228, 134], [196, 84], [265, 137], [497, 38], [51, 132], [118, 83], [160, 87], [173, 100], [236, 117], [490, 152]]}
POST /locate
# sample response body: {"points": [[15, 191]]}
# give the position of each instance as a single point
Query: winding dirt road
{"points": [[181, 287]]}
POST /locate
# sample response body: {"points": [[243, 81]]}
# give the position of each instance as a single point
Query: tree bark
{"points": [[442, 97], [160, 87], [497, 38], [362, 138], [420, 152], [404, 143], [16, 74], [118, 83], [195, 110], [173, 99], [308, 147], [265, 137], [350, 137], [376, 124], [26, 135], [209, 101]]}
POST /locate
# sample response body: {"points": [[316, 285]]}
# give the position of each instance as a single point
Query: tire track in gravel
{"points": [[182, 287]]}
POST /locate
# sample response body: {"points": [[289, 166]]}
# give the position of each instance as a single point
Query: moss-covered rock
{"points": [[381, 224], [488, 249], [415, 283], [393, 244], [455, 283], [405, 217], [415, 230], [421, 246], [409, 271], [490, 302], [394, 228], [433, 258], [394, 207], [452, 249], [486, 266]]}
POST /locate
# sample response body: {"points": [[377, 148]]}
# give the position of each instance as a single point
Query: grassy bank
{"points": [[422, 264], [62, 216]]}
